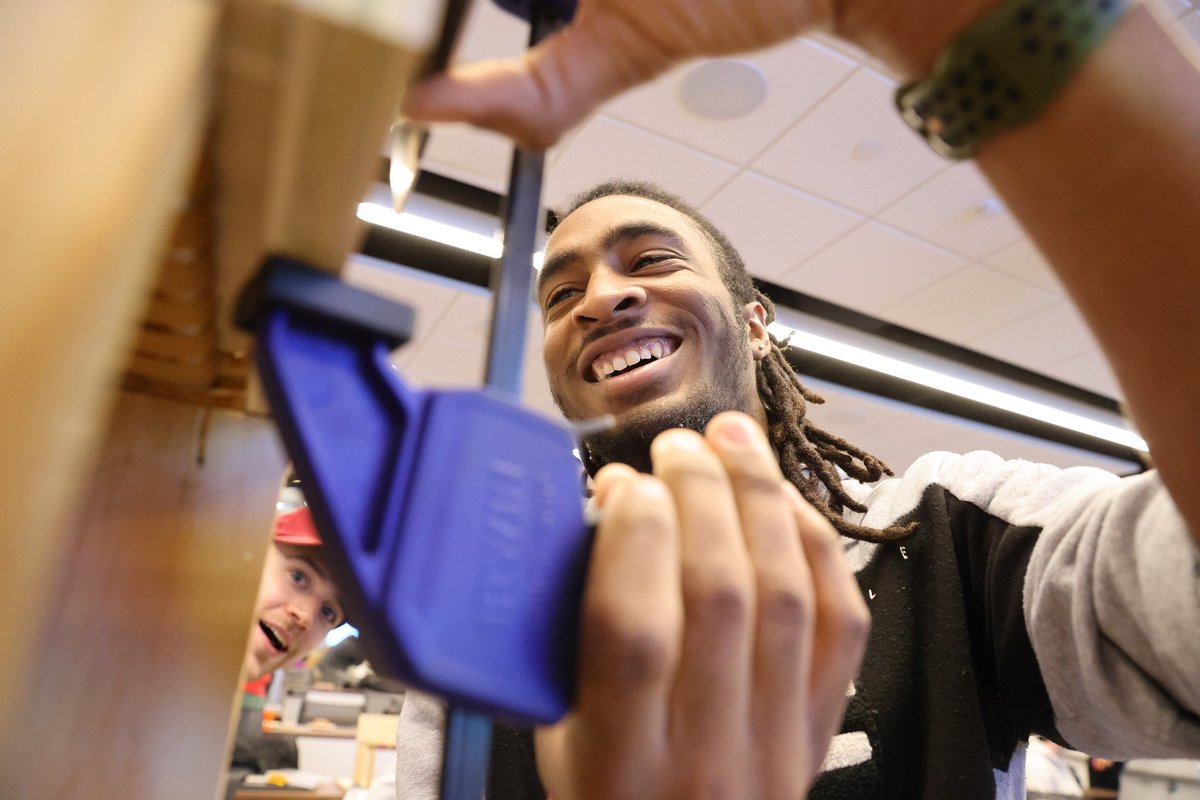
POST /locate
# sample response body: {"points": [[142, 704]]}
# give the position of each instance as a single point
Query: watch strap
{"points": [[1003, 70]]}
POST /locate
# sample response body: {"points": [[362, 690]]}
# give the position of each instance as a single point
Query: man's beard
{"points": [[628, 442]]}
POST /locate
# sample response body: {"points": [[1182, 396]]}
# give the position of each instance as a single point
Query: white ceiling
{"points": [[848, 205]]}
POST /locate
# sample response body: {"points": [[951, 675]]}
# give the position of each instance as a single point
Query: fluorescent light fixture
{"points": [[484, 245], [433, 230], [430, 229], [957, 386]]}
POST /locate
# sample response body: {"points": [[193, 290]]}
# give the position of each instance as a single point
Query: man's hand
{"points": [[614, 45], [721, 629], [610, 46]]}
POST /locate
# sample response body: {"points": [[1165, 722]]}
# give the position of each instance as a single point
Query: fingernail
{"points": [[679, 439], [735, 430]]}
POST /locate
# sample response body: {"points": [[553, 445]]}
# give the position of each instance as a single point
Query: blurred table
{"points": [[326, 791], [330, 731]]}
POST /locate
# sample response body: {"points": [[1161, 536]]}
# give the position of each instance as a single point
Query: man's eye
{"points": [[298, 576], [558, 295], [649, 260], [329, 613]]}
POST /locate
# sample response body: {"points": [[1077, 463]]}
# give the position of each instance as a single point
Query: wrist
{"points": [[1004, 70], [907, 36]]}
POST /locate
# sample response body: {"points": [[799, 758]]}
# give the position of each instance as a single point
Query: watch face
{"points": [[936, 126]]}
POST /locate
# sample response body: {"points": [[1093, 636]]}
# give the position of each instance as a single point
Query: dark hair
{"points": [[809, 456]]}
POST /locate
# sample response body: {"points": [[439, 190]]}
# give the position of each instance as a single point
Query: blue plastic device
{"points": [[452, 519]]}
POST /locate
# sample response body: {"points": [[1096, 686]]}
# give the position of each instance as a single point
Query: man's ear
{"points": [[755, 317]]}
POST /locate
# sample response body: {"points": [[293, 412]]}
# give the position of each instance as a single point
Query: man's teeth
{"points": [[618, 360]]}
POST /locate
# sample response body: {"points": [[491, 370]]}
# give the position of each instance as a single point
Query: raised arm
{"points": [[1106, 181]]}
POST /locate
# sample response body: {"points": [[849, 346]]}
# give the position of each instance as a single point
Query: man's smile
{"points": [[624, 358], [276, 638]]}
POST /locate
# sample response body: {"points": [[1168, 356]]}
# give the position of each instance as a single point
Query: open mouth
{"points": [[631, 357], [275, 641]]}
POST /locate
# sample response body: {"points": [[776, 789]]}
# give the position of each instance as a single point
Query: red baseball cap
{"points": [[297, 528]]}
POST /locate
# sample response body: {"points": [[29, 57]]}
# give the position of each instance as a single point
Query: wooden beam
{"points": [[305, 105], [152, 606], [103, 110], [126, 614]]}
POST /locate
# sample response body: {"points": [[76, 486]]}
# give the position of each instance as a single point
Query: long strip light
{"points": [[433, 230], [454, 236], [957, 386]]}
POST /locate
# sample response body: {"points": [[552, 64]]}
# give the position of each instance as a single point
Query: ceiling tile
{"points": [[959, 210], [1089, 370], [968, 304], [852, 414], [491, 32], [454, 351], [845, 410], [476, 157], [842, 46], [442, 363], [1023, 260], [480, 158], [872, 267], [428, 295], [468, 316], [1052, 334], [607, 148], [853, 148], [657, 106], [903, 437], [775, 226]]}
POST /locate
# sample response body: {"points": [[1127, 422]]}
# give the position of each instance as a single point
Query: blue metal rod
{"points": [[469, 734]]}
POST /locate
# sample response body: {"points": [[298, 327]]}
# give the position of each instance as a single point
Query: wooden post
{"points": [[133, 682], [103, 104], [132, 549]]}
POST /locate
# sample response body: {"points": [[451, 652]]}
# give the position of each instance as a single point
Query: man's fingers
{"points": [[609, 477], [632, 617], [499, 95], [711, 695], [842, 618], [784, 600], [538, 97]]}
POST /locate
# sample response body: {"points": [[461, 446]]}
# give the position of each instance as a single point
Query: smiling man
{"points": [[650, 315], [638, 324], [718, 637], [297, 602], [969, 564]]}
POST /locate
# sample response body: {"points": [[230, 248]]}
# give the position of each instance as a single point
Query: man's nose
{"points": [[304, 611], [607, 297]]}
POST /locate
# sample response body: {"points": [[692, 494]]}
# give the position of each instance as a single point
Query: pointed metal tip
{"points": [[407, 143]]}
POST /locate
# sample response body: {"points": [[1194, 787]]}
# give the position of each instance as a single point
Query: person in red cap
{"points": [[298, 603]]}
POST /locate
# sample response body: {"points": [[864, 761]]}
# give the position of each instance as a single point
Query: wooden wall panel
{"points": [[152, 606], [125, 618], [103, 109]]}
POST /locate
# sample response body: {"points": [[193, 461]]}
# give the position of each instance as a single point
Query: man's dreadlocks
{"points": [[809, 456]]}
